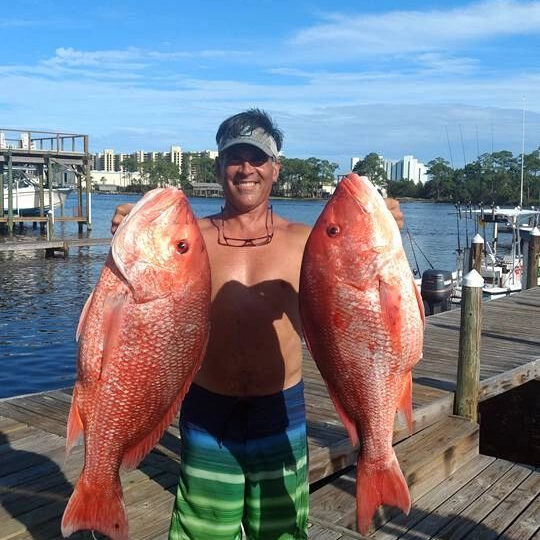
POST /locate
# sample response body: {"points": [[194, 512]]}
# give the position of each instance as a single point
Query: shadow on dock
{"points": [[31, 481]]}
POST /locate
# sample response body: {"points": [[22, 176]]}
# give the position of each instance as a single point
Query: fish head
{"points": [[158, 247], [355, 222]]}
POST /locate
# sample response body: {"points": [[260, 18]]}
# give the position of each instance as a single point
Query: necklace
{"points": [[231, 241]]}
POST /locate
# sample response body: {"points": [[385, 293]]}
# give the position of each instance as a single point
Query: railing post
{"points": [[10, 191], [532, 258], [468, 375], [477, 246]]}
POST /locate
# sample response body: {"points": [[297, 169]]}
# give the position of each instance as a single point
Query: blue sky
{"points": [[341, 78]]}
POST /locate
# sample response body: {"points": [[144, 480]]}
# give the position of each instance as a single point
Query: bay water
{"points": [[41, 299]]}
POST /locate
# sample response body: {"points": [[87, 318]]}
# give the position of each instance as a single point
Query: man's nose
{"points": [[246, 167]]}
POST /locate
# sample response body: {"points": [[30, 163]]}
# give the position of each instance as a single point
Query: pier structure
{"points": [[43, 156], [458, 491]]}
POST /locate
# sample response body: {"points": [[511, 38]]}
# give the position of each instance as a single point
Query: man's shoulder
{"points": [[294, 230]]}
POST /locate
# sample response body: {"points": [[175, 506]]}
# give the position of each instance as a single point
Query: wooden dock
{"points": [[457, 493]]}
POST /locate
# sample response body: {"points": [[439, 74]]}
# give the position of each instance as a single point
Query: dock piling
{"points": [[533, 256], [477, 246], [468, 375]]}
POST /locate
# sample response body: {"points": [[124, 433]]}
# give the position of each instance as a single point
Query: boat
{"points": [[502, 270], [25, 196]]}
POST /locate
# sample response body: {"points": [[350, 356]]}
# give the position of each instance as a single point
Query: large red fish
{"points": [[363, 323], [142, 335]]}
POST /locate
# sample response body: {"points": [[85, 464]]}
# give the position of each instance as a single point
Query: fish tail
{"points": [[376, 485], [94, 508]]}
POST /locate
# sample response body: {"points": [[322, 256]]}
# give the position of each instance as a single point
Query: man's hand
{"points": [[393, 206], [122, 210]]}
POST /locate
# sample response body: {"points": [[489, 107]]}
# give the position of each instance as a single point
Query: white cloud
{"points": [[401, 32]]}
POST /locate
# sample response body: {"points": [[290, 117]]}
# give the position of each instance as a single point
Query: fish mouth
{"points": [[163, 204], [361, 190]]}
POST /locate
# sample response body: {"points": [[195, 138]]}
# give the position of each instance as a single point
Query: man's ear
{"points": [[276, 169], [217, 169]]}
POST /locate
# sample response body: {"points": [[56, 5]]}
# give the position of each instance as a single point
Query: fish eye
{"points": [[182, 246], [333, 230]]}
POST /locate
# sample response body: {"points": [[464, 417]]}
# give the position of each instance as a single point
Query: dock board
{"points": [[487, 498], [36, 479]]}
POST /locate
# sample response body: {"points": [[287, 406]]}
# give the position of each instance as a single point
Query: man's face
{"points": [[247, 174]]}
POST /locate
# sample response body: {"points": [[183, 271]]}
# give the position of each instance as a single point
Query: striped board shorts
{"points": [[243, 466]]}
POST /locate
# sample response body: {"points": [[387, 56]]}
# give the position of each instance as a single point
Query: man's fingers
{"points": [[121, 211], [395, 210]]}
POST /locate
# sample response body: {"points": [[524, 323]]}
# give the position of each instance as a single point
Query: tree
{"points": [[440, 186], [371, 167], [131, 165], [161, 172]]}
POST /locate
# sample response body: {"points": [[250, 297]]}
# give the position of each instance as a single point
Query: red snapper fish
{"points": [[142, 336], [363, 321]]}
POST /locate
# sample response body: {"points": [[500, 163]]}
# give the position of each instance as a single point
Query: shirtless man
{"points": [[244, 447]]}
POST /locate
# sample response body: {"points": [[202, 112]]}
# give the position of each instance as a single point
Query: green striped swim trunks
{"points": [[243, 465]]}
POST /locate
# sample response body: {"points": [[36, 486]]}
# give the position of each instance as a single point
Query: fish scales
{"points": [[142, 337], [363, 323]]}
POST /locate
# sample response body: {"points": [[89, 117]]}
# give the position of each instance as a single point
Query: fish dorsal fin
{"points": [[113, 314], [82, 318], [390, 300]]}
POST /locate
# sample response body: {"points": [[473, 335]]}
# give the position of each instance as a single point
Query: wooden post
{"points": [[88, 177], [10, 191], [477, 246], [50, 225], [468, 375], [532, 258]]}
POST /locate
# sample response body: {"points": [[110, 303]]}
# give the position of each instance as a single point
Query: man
{"points": [[244, 448]]}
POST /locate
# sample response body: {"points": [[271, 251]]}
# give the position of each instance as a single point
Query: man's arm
{"points": [[393, 206], [122, 210]]}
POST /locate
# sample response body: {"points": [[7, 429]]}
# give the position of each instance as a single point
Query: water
{"points": [[41, 299]]}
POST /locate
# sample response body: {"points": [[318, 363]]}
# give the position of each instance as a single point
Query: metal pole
{"points": [[468, 375], [477, 246], [10, 191], [533, 256]]}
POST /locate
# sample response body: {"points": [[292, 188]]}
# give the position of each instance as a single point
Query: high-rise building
{"points": [[407, 168]]}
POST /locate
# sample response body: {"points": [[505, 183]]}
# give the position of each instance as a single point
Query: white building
{"points": [[407, 168]]}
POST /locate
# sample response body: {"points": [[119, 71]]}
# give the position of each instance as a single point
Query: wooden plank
{"points": [[400, 524], [510, 509], [472, 516], [526, 525], [436, 520]]}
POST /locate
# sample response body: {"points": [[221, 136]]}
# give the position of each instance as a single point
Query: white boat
{"points": [[25, 196], [503, 273]]}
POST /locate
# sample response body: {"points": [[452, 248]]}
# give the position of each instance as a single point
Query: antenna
{"points": [[449, 147], [522, 153], [462, 146]]}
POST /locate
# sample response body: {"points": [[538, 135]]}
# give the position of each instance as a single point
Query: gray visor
{"points": [[256, 137]]}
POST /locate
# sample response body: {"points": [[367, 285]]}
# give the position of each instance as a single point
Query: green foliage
{"points": [[304, 177], [371, 167], [492, 178], [160, 173], [403, 188], [130, 163]]}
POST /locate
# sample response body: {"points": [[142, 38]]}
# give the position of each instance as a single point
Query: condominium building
{"points": [[407, 168], [109, 161]]}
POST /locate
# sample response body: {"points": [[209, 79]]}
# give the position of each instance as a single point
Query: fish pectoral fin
{"points": [[75, 426], [350, 426], [135, 454], [113, 314], [84, 314], [390, 301], [405, 401]]}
